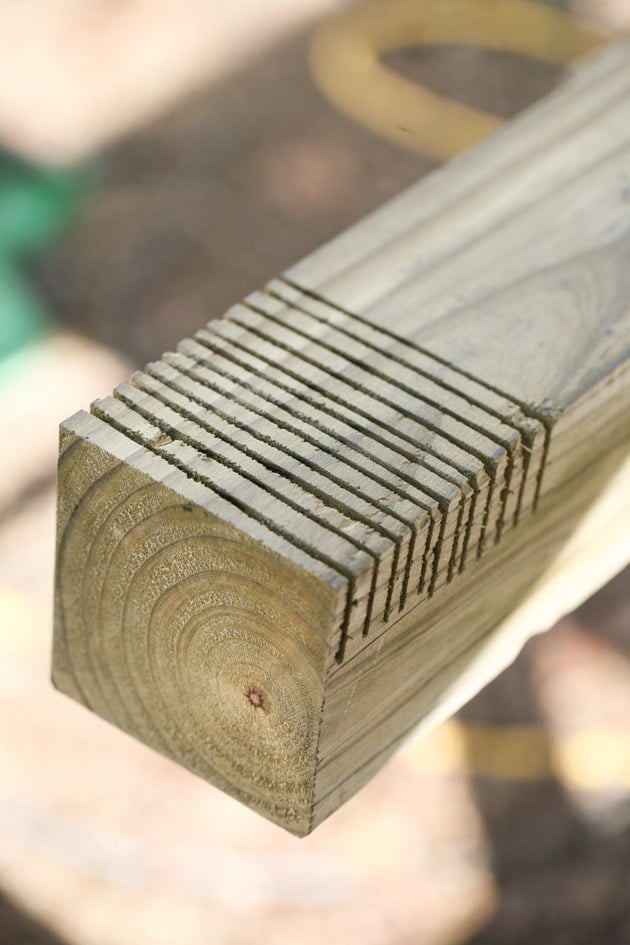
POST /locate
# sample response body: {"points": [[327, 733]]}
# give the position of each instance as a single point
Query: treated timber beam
{"points": [[283, 545]]}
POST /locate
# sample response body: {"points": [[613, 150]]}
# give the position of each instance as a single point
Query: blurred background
{"points": [[158, 160]]}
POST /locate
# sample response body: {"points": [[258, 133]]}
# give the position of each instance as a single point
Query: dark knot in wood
{"points": [[256, 697]]}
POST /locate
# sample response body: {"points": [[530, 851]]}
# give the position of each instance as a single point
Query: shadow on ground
{"points": [[18, 928]]}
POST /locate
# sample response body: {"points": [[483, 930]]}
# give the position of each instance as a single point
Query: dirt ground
{"points": [[508, 825]]}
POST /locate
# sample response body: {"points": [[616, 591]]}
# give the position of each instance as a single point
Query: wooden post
{"points": [[281, 545]]}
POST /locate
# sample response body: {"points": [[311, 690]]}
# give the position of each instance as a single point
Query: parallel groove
{"points": [[488, 464], [437, 465], [224, 397], [276, 287], [123, 422], [180, 404], [460, 485], [286, 318], [196, 372], [225, 329], [206, 339], [171, 429], [166, 375], [528, 410], [525, 435]]}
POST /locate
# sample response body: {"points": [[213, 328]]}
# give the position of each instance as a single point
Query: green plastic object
{"points": [[36, 205]]}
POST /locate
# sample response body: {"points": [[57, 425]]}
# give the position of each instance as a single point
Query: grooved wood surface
{"points": [[280, 545]]}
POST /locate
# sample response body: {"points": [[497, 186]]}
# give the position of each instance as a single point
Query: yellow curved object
{"points": [[346, 64], [591, 759]]}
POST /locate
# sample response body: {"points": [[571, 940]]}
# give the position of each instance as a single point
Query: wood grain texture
{"points": [[166, 622], [532, 227], [279, 546]]}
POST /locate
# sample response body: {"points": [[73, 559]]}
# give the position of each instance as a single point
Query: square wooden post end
{"points": [[185, 630]]}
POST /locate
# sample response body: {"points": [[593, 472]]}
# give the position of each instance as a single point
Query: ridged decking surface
{"points": [[381, 463]]}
